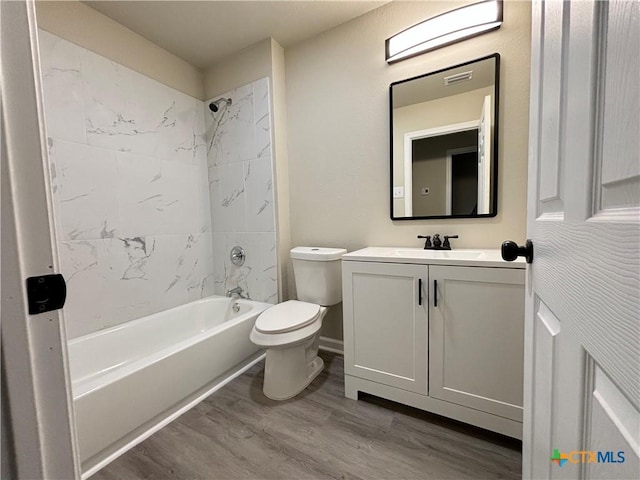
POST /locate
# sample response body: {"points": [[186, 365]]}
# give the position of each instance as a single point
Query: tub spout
{"points": [[235, 292]]}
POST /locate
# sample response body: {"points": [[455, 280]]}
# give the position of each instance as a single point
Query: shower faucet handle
{"points": [[427, 242], [237, 256]]}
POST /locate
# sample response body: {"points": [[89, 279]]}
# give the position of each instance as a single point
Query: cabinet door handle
{"points": [[419, 291], [435, 293]]}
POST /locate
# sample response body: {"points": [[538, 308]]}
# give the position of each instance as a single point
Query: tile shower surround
{"points": [[130, 188], [241, 191]]}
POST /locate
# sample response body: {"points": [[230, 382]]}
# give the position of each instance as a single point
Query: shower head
{"points": [[215, 105]]}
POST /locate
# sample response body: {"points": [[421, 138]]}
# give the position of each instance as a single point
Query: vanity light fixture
{"points": [[445, 29]]}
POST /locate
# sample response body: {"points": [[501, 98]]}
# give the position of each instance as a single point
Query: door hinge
{"points": [[46, 293]]}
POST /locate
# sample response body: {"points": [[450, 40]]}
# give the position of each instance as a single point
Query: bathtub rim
{"points": [[129, 323], [86, 385]]}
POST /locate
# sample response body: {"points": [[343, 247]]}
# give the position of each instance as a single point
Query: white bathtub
{"points": [[130, 380]]}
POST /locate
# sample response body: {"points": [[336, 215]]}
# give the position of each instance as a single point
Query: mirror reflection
{"points": [[444, 139]]}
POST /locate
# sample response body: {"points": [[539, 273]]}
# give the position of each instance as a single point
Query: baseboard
{"points": [[331, 345]]}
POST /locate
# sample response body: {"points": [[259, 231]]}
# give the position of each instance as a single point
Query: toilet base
{"points": [[289, 371]]}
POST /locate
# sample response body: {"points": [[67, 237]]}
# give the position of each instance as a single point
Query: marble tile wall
{"points": [[239, 157], [131, 196]]}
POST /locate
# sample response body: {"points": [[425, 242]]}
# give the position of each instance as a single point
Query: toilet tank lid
{"points": [[318, 254]]}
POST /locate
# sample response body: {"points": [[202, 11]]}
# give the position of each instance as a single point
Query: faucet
{"points": [[235, 292], [437, 243]]}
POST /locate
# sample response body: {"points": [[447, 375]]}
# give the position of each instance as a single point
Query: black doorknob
{"points": [[511, 251]]}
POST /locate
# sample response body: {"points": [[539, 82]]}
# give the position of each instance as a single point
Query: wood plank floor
{"points": [[238, 433]]}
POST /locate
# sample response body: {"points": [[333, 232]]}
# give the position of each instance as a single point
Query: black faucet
{"points": [[437, 243]]}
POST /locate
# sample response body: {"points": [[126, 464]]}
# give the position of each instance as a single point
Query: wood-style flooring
{"points": [[238, 433]]}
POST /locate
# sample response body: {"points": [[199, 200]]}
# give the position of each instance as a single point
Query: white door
{"points": [[582, 335], [35, 380], [484, 157]]}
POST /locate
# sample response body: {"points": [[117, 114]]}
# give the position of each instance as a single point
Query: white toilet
{"points": [[290, 330]]}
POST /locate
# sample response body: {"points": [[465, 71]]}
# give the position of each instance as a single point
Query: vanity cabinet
{"points": [[441, 334], [388, 328], [476, 338]]}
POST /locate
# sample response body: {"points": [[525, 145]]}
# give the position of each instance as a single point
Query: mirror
{"points": [[444, 142]]}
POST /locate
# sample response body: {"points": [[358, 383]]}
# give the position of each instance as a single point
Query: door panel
{"points": [[586, 268], [551, 162], [614, 426], [602, 308], [476, 338], [385, 325], [546, 328], [619, 179]]}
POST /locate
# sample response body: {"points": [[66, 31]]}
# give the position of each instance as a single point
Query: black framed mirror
{"points": [[444, 142]]}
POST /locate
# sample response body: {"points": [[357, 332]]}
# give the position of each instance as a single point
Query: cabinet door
{"points": [[476, 338], [385, 323]]}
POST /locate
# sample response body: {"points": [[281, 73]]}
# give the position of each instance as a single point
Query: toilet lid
{"points": [[287, 316]]}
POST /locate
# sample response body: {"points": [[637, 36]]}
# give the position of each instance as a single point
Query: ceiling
{"points": [[204, 32]]}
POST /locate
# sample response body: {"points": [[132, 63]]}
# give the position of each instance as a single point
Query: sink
{"points": [[444, 254]]}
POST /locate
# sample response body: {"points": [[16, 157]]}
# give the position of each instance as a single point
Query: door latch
{"points": [[46, 293]]}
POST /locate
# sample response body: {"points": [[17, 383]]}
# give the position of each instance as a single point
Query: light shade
{"points": [[450, 27]]}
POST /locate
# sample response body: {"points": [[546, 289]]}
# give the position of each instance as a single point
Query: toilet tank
{"points": [[318, 274]]}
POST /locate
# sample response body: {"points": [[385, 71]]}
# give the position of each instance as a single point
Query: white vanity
{"points": [[440, 330]]}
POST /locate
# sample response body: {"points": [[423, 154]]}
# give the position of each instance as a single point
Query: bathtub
{"points": [[130, 380]]}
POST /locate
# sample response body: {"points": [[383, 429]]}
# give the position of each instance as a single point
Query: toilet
{"points": [[290, 330]]}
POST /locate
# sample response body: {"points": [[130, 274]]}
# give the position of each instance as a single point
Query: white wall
{"points": [[130, 188], [338, 129]]}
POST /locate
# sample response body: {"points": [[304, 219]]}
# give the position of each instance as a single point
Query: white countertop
{"points": [[458, 256]]}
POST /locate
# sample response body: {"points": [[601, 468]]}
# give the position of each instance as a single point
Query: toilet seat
{"points": [[287, 317], [306, 329]]}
